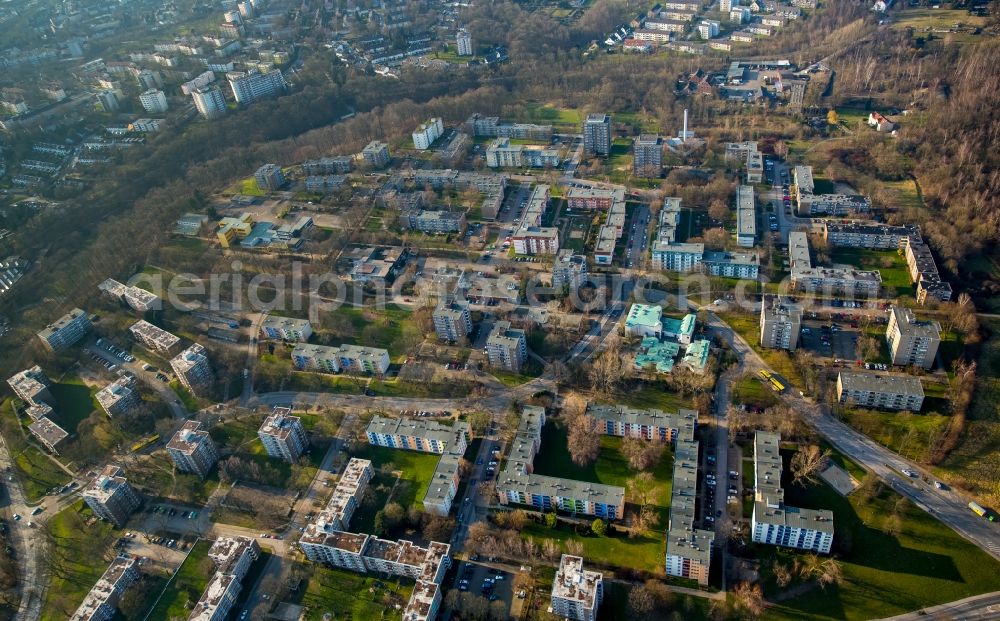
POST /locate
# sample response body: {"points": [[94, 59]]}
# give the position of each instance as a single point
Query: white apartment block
{"points": [[154, 101], [111, 497], [452, 321], [772, 521], [101, 602], [119, 396], [233, 557], [882, 392], [780, 323], [192, 449], [31, 386], [153, 338], [283, 435], [425, 135], [193, 369], [464, 43], [137, 298], [568, 270], [912, 342], [65, 331], [285, 328], [253, 86], [746, 217], [576, 592], [677, 257], [346, 358], [506, 347]]}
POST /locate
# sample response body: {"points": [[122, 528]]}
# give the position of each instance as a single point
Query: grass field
{"points": [[972, 465], [348, 595], [39, 473], [610, 468], [752, 392], [186, 587], [74, 401], [925, 564], [925, 20], [889, 263], [653, 396], [79, 551], [390, 328], [417, 470], [910, 435], [748, 326], [190, 401]]}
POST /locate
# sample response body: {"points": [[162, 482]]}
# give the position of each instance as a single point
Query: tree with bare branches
{"points": [[750, 598], [583, 439], [807, 463]]}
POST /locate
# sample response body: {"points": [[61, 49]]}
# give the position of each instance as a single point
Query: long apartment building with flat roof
{"points": [[138, 299], [339, 510], [111, 497], [119, 396], [101, 603], [830, 280], [192, 449], [576, 592], [283, 435], [233, 557], [780, 323], [285, 328], [924, 271], [427, 436], [65, 331], [506, 347], [688, 549], [31, 386], [518, 484], [626, 422], [746, 217], [809, 203], [153, 338], [772, 521], [193, 369], [880, 391], [862, 234], [911, 341], [346, 358]]}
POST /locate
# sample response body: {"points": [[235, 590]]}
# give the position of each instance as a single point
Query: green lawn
{"points": [[747, 325], [644, 553], [926, 564], [74, 402], [417, 470], [39, 473], [910, 435], [653, 396], [752, 392], [390, 328], [80, 553], [186, 587], [889, 263], [190, 401], [348, 595]]}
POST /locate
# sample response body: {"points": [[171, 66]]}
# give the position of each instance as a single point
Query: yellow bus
{"points": [[776, 385]]}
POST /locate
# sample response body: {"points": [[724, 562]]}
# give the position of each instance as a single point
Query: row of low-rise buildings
{"points": [[668, 254], [808, 203], [137, 298], [518, 484], [101, 603], [502, 154], [479, 125], [772, 521], [828, 280], [32, 387], [326, 540], [490, 185], [530, 237], [232, 557], [427, 436]]}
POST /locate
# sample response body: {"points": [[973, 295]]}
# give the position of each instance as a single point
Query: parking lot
{"points": [[836, 341], [492, 583]]}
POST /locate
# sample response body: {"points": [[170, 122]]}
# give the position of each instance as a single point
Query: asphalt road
{"points": [[978, 608], [947, 505], [638, 236]]}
